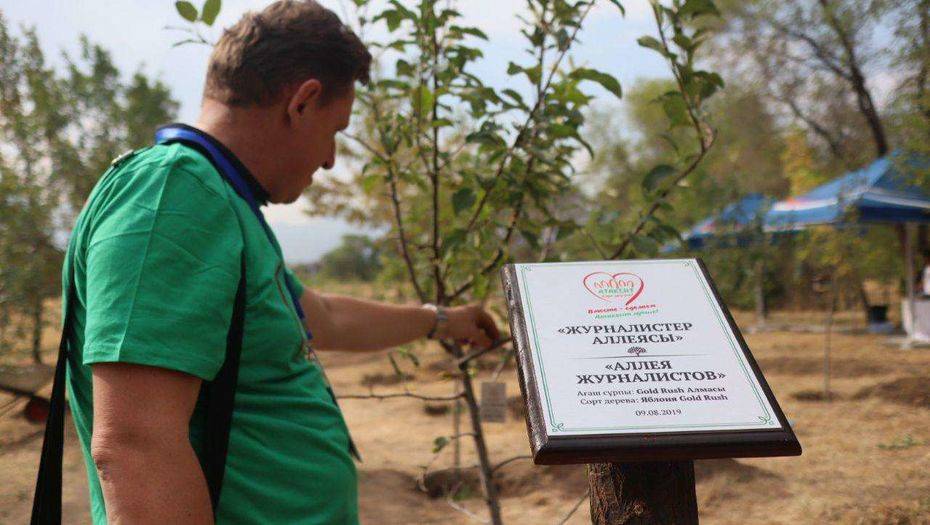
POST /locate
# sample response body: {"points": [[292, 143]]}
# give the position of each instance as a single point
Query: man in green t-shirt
{"points": [[155, 262]]}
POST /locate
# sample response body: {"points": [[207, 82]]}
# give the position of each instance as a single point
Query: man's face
{"points": [[309, 142]]}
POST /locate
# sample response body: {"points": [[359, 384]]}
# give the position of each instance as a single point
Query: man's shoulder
{"points": [[164, 184], [182, 164]]}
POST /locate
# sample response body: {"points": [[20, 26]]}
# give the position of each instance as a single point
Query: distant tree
{"points": [[59, 132], [358, 257], [910, 107], [106, 116], [818, 60]]}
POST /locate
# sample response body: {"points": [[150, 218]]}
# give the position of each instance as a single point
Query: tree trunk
{"points": [[867, 108], [660, 493], [761, 307], [37, 321], [456, 429], [857, 81], [923, 12], [485, 469]]}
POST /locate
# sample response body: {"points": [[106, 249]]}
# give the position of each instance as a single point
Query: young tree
{"points": [[465, 172]]}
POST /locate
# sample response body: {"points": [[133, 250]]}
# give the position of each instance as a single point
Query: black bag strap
{"points": [[46, 504], [219, 396]]}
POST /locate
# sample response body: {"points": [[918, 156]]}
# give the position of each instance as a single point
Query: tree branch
{"points": [[585, 496], [531, 117], [510, 460], [704, 134], [515, 216], [395, 395], [481, 351]]}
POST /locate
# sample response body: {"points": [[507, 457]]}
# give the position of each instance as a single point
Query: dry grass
{"points": [[866, 450]]}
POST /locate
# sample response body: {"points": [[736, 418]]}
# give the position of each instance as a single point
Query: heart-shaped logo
{"points": [[622, 287]]}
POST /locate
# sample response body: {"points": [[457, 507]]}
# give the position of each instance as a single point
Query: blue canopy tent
{"points": [[733, 225], [882, 192], [739, 224]]}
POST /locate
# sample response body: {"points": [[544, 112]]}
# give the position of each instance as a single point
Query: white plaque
{"points": [[638, 347]]}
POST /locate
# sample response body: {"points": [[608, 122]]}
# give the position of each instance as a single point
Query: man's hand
{"points": [[470, 324], [346, 323]]}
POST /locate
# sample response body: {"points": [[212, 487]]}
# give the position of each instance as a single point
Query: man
{"points": [[155, 257]]}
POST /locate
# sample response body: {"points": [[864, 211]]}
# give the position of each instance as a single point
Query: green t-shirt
{"points": [[156, 255]]}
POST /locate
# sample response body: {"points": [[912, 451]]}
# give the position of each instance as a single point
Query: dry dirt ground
{"points": [[866, 452]]}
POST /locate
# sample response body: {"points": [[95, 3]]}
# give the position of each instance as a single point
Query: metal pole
{"points": [[909, 283], [827, 342]]}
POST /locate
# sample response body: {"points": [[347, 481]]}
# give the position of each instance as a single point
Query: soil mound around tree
{"points": [[385, 379], [436, 409], [912, 391], [460, 482], [815, 396], [513, 480], [522, 477]]}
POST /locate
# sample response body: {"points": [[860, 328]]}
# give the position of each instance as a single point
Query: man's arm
{"points": [[147, 468], [346, 323]]}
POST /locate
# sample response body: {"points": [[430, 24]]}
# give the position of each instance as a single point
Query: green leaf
{"points": [[644, 245], [565, 229], [455, 238], [619, 6], [683, 42], [560, 131], [210, 9], [651, 43], [394, 365], [370, 182], [656, 175], [675, 109], [439, 444], [487, 135], [663, 231], [186, 10], [473, 31], [696, 8], [422, 99], [607, 81], [515, 97], [406, 352], [531, 237], [532, 73], [463, 199], [392, 17], [708, 83]]}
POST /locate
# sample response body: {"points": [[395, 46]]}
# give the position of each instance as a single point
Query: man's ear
{"points": [[306, 96]]}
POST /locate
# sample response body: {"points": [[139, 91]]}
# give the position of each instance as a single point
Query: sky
{"points": [[135, 32]]}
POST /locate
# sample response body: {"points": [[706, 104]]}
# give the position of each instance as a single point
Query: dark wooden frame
{"points": [[665, 446]]}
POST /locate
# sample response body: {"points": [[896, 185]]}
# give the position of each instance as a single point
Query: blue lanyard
{"points": [[232, 175]]}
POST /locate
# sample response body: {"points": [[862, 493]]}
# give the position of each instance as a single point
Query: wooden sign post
{"points": [[637, 368]]}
